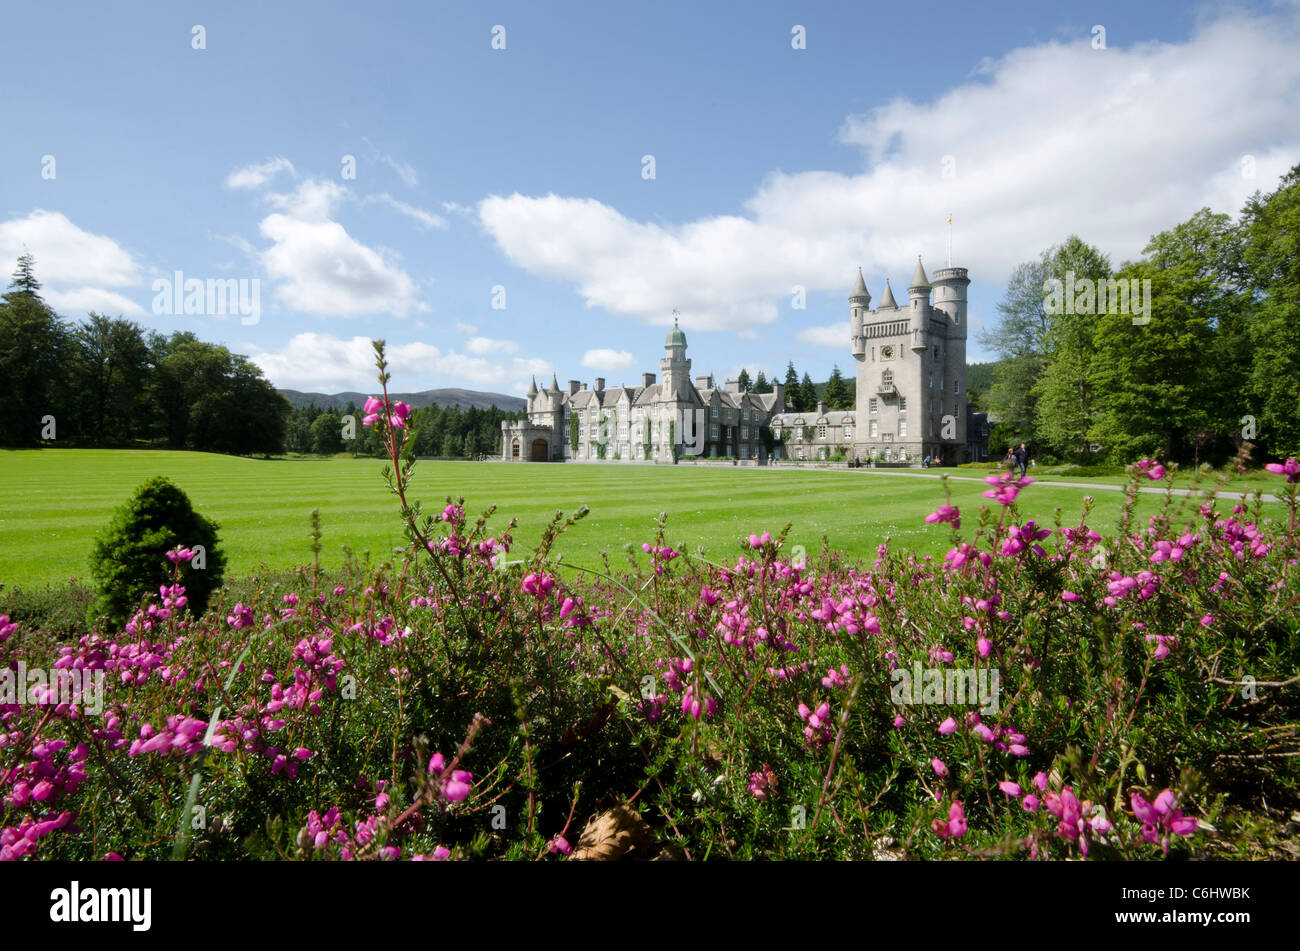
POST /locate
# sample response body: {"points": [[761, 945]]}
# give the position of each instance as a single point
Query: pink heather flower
{"points": [[835, 678], [559, 844], [898, 723], [1290, 469], [1069, 596], [761, 781], [948, 726], [242, 617], [939, 767], [755, 541], [945, 513], [1011, 789], [372, 410], [457, 788], [983, 732], [1030, 803], [956, 824], [984, 646], [1040, 781]]}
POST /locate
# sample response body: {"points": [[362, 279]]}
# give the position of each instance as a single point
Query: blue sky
{"points": [[130, 155]]}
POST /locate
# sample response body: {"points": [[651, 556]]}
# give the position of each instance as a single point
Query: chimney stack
{"points": [[821, 407], [600, 384], [647, 379]]}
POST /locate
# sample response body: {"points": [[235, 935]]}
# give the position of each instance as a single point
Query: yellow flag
{"points": [[950, 219]]}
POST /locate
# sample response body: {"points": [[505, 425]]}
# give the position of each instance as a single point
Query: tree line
{"points": [[1213, 362], [106, 382], [802, 395], [447, 432]]}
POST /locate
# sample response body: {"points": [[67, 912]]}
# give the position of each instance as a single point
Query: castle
{"points": [[910, 399]]}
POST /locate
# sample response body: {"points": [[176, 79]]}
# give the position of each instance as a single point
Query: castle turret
{"points": [[859, 302], [919, 293], [676, 368], [950, 285]]}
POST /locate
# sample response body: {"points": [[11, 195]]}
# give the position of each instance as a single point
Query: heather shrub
{"points": [[1123, 697], [130, 556]]}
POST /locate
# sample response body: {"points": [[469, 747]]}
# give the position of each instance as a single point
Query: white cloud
{"points": [[404, 170], [325, 363], [486, 346], [319, 268], [425, 219], [604, 358], [76, 267], [833, 337], [1114, 145], [465, 328], [258, 174]]}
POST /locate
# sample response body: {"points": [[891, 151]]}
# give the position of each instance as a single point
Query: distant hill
{"points": [[465, 399]]}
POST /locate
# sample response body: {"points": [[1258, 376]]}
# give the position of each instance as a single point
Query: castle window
{"points": [[874, 405], [744, 432], [931, 378], [902, 404], [887, 378], [714, 430], [956, 386], [874, 430], [848, 433], [902, 429], [821, 432]]}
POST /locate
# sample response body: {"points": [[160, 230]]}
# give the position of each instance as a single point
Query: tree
{"points": [[1158, 383], [791, 381], [743, 380], [1065, 407], [1270, 228], [327, 434], [807, 395], [129, 558], [110, 376], [761, 384], [1019, 339], [838, 394], [34, 347]]}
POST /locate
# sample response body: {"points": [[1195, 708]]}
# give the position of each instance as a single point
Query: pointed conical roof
{"points": [[918, 276], [860, 288], [888, 299], [555, 385], [532, 387]]}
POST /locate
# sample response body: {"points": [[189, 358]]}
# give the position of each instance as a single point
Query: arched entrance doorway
{"points": [[540, 451], [514, 450]]}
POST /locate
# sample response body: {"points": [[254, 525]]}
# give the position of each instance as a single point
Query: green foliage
{"points": [[1270, 233], [129, 558], [838, 394], [326, 434]]}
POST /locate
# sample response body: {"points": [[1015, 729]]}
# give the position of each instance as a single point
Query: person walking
{"points": [[1010, 460], [1022, 459]]}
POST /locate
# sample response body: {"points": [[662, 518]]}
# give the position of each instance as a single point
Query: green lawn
{"points": [[54, 501]]}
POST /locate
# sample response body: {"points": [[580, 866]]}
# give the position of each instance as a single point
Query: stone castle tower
{"points": [[911, 368]]}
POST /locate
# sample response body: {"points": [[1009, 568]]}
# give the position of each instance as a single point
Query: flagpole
{"points": [[950, 239]]}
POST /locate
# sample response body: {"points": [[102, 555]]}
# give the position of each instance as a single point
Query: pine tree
{"points": [[838, 395], [761, 385], [791, 381], [743, 380], [807, 395]]}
